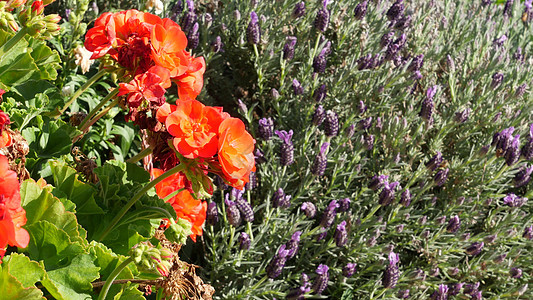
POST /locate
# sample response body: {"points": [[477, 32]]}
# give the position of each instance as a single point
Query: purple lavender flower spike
{"points": [[287, 149], [405, 198], [403, 294], [521, 90], [276, 265], [416, 63], [292, 244], [319, 165], [490, 239], [507, 8], [453, 224], [319, 115], [217, 45], [441, 177], [500, 258], [527, 149], [320, 93], [462, 116], [309, 209], [441, 293], [297, 87], [341, 234], [392, 273], [435, 161], [349, 269], [395, 11], [360, 10], [388, 193], [369, 141], [329, 214], [403, 22], [253, 32], [386, 39], [234, 215], [244, 241], [299, 10], [266, 126], [515, 272], [426, 110], [344, 204], [281, 200], [190, 5], [322, 18], [322, 234], [377, 182], [212, 214], [513, 152], [331, 127], [246, 209], [497, 79], [455, 289], [364, 124], [321, 281], [502, 140], [523, 176], [193, 37], [288, 49], [528, 233], [475, 248], [499, 41]]}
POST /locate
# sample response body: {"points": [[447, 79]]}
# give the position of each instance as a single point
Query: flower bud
{"points": [[475, 248], [244, 241], [441, 177], [331, 124], [319, 165], [233, 213], [392, 273], [341, 235], [395, 11], [328, 217], [246, 209], [266, 128], [360, 10], [292, 244], [349, 269], [276, 265], [37, 8], [287, 149], [405, 198], [299, 10], [309, 209], [321, 281], [288, 49], [515, 272], [322, 18], [453, 224], [253, 32], [297, 87], [319, 115]]}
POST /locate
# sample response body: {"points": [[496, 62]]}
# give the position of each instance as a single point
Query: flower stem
{"points": [[12, 42], [138, 196], [82, 89], [140, 155], [112, 277], [98, 107], [98, 116]]}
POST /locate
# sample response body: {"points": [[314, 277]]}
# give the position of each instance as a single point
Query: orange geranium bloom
{"points": [[168, 47], [195, 128], [184, 204], [235, 152], [12, 215], [191, 82], [150, 86]]}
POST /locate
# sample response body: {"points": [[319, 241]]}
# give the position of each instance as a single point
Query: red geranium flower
{"points": [[191, 82], [150, 86]]}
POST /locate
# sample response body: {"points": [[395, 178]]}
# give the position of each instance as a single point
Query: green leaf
{"points": [[129, 291], [11, 288], [73, 281], [51, 245], [27, 272], [41, 205], [82, 194], [17, 65], [46, 59]]}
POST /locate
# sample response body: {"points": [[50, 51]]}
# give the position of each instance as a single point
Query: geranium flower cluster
{"points": [[12, 215], [150, 53]]}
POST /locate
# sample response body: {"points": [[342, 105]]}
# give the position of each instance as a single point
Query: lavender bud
{"points": [[426, 110], [441, 177], [319, 165], [252, 183], [455, 289], [253, 32], [403, 23], [233, 213], [321, 281], [280, 199], [405, 198], [475, 248], [323, 233], [403, 294], [292, 244], [298, 293], [425, 234], [344, 204], [364, 124], [527, 149], [193, 37], [322, 18], [386, 39], [497, 79], [392, 273], [259, 156], [319, 115], [288, 49], [217, 45], [287, 149], [331, 124], [349, 269], [299, 10], [297, 87], [341, 235], [350, 131], [520, 91], [395, 11], [377, 182], [399, 228], [507, 8], [502, 140], [265, 129], [423, 220], [453, 271], [450, 63], [274, 93], [319, 63], [440, 220], [500, 258], [461, 117], [244, 241], [499, 41], [320, 93], [369, 142], [515, 272], [309, 209], [416, 63], [523, 176], [276, 265], [513, 152], [490, 239], [188, 20], [329, 214], [453, 224], [435, 161], [388, 193], [212, 214], [441, 293], [434, 272], [246, 210], [360, 10]]}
